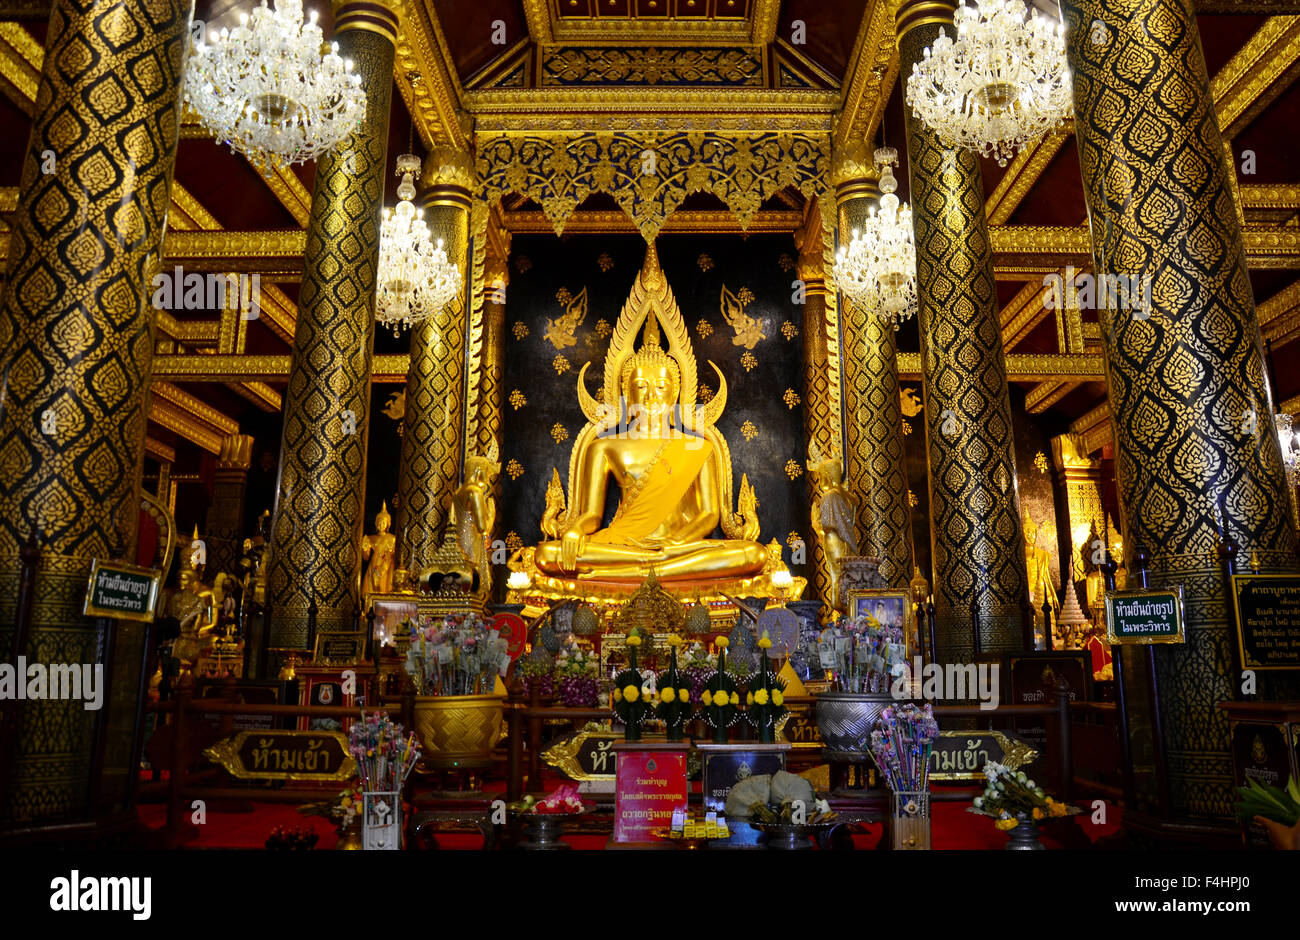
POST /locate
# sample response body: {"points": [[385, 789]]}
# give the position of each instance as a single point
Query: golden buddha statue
{"points": [[1039, 565], [474, 513], [672, 466], [195, 605], [380, 549], [833, 520]]}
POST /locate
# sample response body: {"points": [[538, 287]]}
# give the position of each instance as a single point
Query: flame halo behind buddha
{"points": [[671, 463]]}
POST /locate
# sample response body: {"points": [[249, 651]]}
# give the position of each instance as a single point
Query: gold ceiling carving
{"points": [[1257, 74], [701, 65], [651, 109], [20, 65], [1023, 172], [694, 221], [685, 28], [873, 69], [427, 79], [649, 175]]}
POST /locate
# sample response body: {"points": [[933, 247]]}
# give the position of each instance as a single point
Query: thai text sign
{"points": [[1145, 616], [650, 785], [1268, 620], [961, 755], [285, 755], [122, 591]]}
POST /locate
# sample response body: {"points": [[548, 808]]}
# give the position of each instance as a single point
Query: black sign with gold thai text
{"points": [[1268, 620], [284, 755]]}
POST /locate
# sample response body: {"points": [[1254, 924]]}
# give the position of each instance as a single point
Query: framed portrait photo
{"points": [[888, 608]]}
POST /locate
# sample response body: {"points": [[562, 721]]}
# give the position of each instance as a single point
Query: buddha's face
{"points": [[1031, 533], [382, 522], [652, 389]]}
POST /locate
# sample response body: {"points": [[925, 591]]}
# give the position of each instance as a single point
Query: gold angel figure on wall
{"points": [[833, 519], [748, 330], [560, 331], [554, 506]]}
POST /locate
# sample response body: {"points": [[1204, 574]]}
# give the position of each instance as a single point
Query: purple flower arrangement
{"points": [[578, 673]]}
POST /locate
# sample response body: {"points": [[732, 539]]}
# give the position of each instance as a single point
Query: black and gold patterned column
{"points": [[978, 549], [76, 339], [316, 541], [434, 421], [875, 469], [225, 521], [1182, 381]]}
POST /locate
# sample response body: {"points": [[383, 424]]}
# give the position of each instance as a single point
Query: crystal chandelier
{"points": [[266, 89], [415, 278], [877, 269], [1001, 84]]}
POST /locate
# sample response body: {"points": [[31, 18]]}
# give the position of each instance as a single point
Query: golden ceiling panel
{"points": [[1023, 172], [699, 66], [873, 69], [554, 110], [288, 188], [196, 407], [699, 222], [427, 79], [1027, 367], [676, 22], [1257, 74], [181, 422], [190, 367], [20, 65], [1046, 394]]}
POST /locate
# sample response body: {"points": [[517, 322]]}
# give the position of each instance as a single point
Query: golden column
{"points": [[496, 278], [1192, 412], [978, 550], [316, 541], [875, 470], [818, 412], [434, 421], [76, 340]]}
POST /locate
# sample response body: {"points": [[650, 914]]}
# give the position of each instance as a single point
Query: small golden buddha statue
{"points": [[833, 519], [671, 464], [1039, 567], [474, 513], [195, 605], [380, 549]]}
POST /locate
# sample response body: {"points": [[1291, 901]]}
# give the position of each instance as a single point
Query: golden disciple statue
{"points": [[833, 519], [474, 513], [195, 605], [380, 549], [1039, 565], [672, 466]]}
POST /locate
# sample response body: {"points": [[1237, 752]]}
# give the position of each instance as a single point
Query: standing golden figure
{"points": [[475, 513], [672, 466], [833, 515], [380, 550]]}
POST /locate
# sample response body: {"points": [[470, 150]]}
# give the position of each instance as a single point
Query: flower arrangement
{"points": [[1012, 798], [674, 695], [562, 801], [862, 654], [455, 655], [631, 701], [700, 664], [901, 744], [721, 696], [384, 759], [579, 677], [766, 700], [345, 807], [537, 673]]}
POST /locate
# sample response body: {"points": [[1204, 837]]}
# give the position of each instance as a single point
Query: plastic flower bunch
{"points": [[674, 694], [631, 705], [766, 700], [458, 655], [721, 696], [1011, 798]]}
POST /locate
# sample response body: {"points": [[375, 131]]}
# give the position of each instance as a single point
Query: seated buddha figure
{"points": [[673, 472]]}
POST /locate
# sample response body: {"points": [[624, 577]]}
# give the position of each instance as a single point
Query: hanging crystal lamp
{"points": [[268, 90], [877, 269], [1003, 83], [416, 280]]}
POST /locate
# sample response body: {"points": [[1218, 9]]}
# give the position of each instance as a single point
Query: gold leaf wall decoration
{"points": [[517, 399], [559, 433], [515, 469], [749, 430], [793, 469], [791, 398], [749, 361]]}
